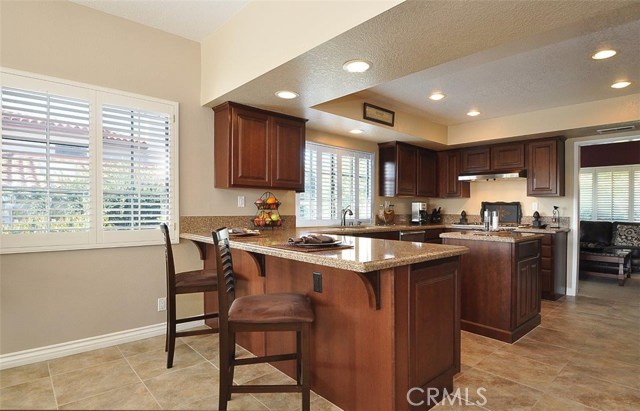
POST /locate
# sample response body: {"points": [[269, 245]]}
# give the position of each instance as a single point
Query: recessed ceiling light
{"points": [[620, 84], [604, 54], [286, 94], [435, 96], [356, 131], [473, 113], [356, 66]]}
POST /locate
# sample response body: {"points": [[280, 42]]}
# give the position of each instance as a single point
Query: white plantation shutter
{"points": [[610, 193], [335, 178], [137, 174], [83, 167]]}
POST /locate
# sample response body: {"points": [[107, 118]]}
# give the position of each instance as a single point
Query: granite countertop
{"points": [[547, 230], [496, 236], [367, 255], [361, 229]]}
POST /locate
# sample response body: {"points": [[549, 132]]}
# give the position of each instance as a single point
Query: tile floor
{"points": [[584, 356]]}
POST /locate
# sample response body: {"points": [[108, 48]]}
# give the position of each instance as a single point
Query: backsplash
{"points": [[203, 224], [565, 222]]}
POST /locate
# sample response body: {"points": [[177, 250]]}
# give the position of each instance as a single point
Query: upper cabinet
{"points": [[406, 170], [545, 169], [500, 157], [448, 171], [256, 148]]}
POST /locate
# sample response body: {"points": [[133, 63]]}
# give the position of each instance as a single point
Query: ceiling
{"points": [[499, 57]]}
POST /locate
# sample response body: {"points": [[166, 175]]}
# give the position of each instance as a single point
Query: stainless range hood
{"points": [[492, 176]]}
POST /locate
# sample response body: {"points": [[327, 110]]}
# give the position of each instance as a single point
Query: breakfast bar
{"points": [[387, 312]]}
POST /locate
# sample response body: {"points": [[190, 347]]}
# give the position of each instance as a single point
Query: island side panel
{"points": [[428, 331], [352, 342], [486, 283]]}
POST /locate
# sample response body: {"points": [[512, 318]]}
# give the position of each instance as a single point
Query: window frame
{"points": [[95, 236], [339, 151]]}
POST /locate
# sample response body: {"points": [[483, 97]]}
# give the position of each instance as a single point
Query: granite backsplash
{"points": [[203, 224]]}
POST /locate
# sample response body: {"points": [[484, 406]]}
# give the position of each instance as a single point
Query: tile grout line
{"points": [[141, 380], [53, 388]]}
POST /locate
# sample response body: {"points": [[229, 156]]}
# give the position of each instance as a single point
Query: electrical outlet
{"points": [[240, 201], [534, 206], [317, 282], [162, 304]]}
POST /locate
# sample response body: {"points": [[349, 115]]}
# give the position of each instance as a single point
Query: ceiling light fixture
{"points": [[436, 95], [620, 84], [356, 66], [356, 131], [604, 54], [473, 113], [286, 94]]}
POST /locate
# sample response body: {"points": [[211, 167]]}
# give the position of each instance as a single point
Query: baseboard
{"points": [[16, 359]]}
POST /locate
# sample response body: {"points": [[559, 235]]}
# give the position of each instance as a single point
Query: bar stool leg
{"points": [[225, 392], [306, 371], [299, 357]]}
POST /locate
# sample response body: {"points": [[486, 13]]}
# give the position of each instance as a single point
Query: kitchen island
{"points": [[500, 279], [387, 313]]}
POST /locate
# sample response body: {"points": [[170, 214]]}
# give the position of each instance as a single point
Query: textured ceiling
{"points": [[501, 57], [191, 19]]}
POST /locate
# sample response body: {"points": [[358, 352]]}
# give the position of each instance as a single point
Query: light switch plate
{"points": [[240, 201]]}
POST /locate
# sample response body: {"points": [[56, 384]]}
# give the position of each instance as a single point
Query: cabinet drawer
{"points": [[546, 263], [547, 239], [546, 251], [527, 249], [433, 234]]}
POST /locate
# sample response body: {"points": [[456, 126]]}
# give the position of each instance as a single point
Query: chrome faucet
{"points": [[344, 214]]}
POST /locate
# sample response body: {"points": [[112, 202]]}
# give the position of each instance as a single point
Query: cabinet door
{"points": [[427, 174], [507, 157], [527, 290], [448, 171], [287, 154], [406, 163], [545, 174], [250, 149], [475, 160]]}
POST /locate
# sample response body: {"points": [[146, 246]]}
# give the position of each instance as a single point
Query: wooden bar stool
{"points": [[259, 313], [198, 281]]}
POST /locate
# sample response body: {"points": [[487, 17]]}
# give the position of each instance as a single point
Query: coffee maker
{"points": [[419, 213]]}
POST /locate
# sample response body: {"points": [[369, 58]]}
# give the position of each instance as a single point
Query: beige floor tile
{"points": [[479, 339], [278, 401], [130, 397], [321, 404], [84, 360], [495, 393], [594, 393], [207, 346], [456, 404], [153, 363], [520, 369], [550, 403], [32, 395], [174, 389], [76, 385], [539, 351], [607, 369], [142, 346], [245, 373], [25, 373], [471, 353], [240, 402]]}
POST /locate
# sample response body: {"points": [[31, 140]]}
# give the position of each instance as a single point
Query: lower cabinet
{"points": [[553, 267]]}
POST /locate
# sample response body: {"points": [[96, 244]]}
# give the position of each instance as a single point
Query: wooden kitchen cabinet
{"points": [[406, 170], [545, 168], [475, 160], [448, 171], [553, 267], [257, 148], [494, 158]]}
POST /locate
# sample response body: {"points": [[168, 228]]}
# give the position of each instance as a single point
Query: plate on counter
{"points": [[332, 244]]}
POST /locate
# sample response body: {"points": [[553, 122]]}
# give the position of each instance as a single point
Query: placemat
{"points": [[312, 249]]}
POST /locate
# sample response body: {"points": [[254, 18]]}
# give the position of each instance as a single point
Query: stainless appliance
{"points": [[419, 213]]}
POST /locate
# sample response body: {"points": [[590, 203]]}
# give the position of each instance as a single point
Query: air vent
{"points": [[616, 129]]}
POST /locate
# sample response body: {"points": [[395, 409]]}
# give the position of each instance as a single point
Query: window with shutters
{"points": [[84, 167], [610, 193], [334, 179]]}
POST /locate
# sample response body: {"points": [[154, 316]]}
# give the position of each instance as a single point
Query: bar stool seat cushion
{"points": [[196, 281], [271, 308]]}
